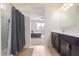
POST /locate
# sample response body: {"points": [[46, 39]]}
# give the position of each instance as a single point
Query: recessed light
{"points": [[1, 6], [65, 7]]}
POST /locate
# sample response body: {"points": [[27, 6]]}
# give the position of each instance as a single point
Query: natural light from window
{"points": [[40, 26]]}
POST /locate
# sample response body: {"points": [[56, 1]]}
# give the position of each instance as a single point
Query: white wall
{"points": [[0, 31], [70, 19], [77, 15], [67, 18], [27, 31], [47, 39], [33, 25]]}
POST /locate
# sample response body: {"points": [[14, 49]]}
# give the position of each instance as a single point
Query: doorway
{"points": [[37, 26], [37, 32]]}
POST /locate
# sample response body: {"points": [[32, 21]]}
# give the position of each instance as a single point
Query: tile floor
{"points": [[39, 50]]}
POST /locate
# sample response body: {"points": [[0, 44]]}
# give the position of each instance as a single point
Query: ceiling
{"points": [[36, 8]]}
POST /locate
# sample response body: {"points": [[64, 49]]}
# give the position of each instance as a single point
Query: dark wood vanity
{"points": [[56, 41], [66, 45]]}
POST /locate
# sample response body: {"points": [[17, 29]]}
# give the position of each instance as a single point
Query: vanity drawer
{"points": [[70, 39]]}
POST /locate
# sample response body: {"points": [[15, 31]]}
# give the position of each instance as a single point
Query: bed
{"points": [[35, 35]]}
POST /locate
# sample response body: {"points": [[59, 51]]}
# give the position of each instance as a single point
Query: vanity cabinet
{"points": [[56, 41], [66, 45], [52, 39], [69, 45]]}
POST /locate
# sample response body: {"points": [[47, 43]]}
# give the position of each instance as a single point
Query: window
{"points": [[40, 26]]}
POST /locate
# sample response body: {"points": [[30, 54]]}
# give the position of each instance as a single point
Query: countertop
{"points": [[72, 33]]}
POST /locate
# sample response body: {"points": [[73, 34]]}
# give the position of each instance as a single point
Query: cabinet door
{"points": [[64, 48], [74, 50], [54, 39], [57, 41]]}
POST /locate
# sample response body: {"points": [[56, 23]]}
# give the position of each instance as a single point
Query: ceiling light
{"points": [[65, 7], [2, 6]]}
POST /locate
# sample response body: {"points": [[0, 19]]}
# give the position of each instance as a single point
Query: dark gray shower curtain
{"points": [[17, 31], [13, 33]]}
